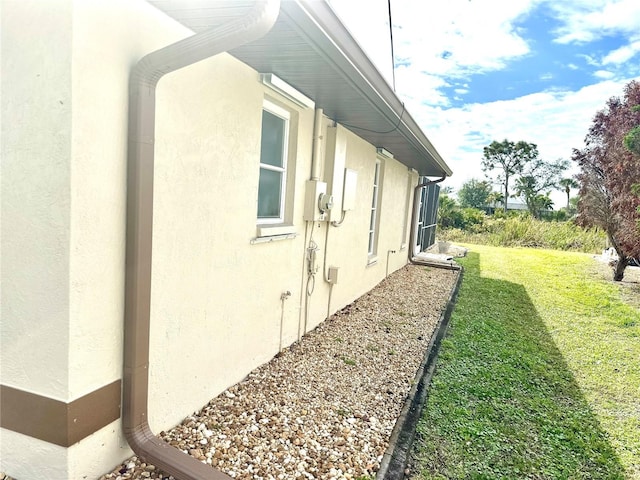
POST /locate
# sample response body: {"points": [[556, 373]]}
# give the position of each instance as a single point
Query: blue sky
{"points": [[474, 71]]}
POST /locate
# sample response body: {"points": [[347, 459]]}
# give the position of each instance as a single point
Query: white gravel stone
{"points": [[326, 406]]}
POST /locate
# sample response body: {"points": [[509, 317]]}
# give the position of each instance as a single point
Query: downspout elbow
{"points": [[168, 458]]}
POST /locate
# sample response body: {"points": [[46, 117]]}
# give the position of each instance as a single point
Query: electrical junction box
{"points": [[349, 189], [332, 275], [314, 190]]}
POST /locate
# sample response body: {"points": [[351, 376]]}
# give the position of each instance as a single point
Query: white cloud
{"points": [[556, 121], [588, 20], [622, 54], [421, 87], [589, 59], [438, 41], [605, 74], [443, 45], [371, 31]]}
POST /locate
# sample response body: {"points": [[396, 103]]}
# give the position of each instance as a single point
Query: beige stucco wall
{"points": [[36, 165], [35, 218], [216, 295], [65, 69]]}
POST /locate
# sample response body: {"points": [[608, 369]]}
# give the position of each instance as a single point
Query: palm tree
{"points": [[494, 198], [568, 184]]}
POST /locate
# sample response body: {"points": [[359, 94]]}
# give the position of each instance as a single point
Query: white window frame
{"points": [[374, 219], [282, 113]]}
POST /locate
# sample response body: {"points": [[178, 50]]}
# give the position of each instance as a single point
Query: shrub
{"points": [[525, 231]]}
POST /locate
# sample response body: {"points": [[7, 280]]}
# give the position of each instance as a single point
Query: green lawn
{"points": [[539, 376]]}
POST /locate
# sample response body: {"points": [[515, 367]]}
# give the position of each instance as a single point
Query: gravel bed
{"points": [[325, 407]]}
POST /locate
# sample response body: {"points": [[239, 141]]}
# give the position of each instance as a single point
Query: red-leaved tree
{"points": [[608, 171]]}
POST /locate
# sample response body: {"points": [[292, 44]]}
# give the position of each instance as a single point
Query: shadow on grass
{"points": [[503, 403]]}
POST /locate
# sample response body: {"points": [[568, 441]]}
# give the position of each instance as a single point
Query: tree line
{"points": [[608, 178]]}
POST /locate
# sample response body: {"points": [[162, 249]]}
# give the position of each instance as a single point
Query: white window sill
{"points": [[403, 246], [373, 259], [272, 233]]}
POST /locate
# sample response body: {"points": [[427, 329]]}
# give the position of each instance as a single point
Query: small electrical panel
{"points": [[349, 189]]}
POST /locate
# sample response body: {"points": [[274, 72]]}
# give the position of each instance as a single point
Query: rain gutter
{"points": [[142, 89], [412, 235], [359, 70]]}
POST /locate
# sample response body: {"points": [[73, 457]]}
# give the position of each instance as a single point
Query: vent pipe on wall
{"points": [[317, 145], [142, 89]]}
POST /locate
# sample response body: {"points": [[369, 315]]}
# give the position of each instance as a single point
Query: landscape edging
{"points": [[394, 461]]}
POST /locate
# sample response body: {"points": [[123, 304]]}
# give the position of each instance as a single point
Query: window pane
{"points": [[272, 143], [373, 234], [269, 193]]}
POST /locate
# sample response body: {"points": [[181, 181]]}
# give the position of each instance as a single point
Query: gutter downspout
{"points": [[414, 222], [142, 88]]}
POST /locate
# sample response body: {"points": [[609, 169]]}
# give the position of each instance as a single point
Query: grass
{"points": [[539, 376], [528, 232]]}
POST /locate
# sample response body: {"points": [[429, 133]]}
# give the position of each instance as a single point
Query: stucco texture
{"points": [[217, 307]]}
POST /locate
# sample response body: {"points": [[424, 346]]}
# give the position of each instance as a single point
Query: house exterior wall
{"points": [[216, 307], [35, 176], [36, 197]]}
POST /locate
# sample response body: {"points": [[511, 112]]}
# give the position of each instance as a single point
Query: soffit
{"points": [[310, 49]]}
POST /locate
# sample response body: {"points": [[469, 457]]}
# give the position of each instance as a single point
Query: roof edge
{"points": [[329, 22]]}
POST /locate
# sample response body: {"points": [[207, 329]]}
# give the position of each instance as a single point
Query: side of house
{"points": [[243, 260]]}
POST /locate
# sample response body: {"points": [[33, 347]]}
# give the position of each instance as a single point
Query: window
{"points": [[375, 212], [273, 164]]}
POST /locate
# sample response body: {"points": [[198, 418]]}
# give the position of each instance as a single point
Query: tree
{"points": [[635, 188], [494, 198], [594, 208], [536, 202], [632, 143], [567, 184], [537, 177], [609, 169], [632, 140], [510, 158], [448, 212], [474, 193]]}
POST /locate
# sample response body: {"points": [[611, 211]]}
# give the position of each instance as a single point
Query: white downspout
{"points": [[317, 144]]}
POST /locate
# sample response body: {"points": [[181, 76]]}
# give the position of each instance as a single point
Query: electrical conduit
{"points": [[144, 79]]}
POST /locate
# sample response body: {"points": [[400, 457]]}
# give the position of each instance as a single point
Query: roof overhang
{"points": [[311, 50]]}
